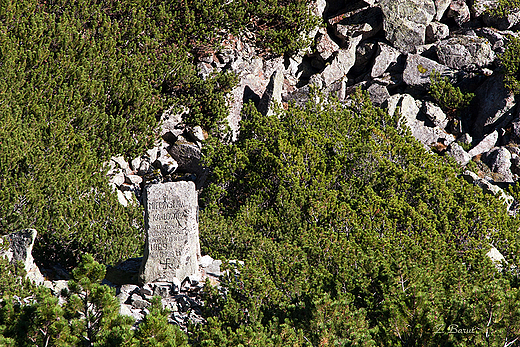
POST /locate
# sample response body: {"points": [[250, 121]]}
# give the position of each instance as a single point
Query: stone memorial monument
{"points": [[172, 247]]}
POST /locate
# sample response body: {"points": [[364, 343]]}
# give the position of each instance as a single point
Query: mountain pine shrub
{"points": [[352, 234]]}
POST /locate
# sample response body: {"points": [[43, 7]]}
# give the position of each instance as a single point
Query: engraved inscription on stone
{"points": [[172, 233]]}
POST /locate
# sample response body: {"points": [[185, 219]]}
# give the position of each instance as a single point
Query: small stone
{"points": [[135, 163], [162, 289], [121, 162], [435, 114], [144, 167], [197, 134], [458, 153], [118, 179], [129, 196], [133, 179], [121, 198], [436, 31], [205, 261], [146, 289], [465, 139]]}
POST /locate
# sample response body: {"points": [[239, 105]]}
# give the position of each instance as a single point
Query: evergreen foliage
{"points": [[90, 317], [84, 80], [510, 62], [352, 234], [450, 98]]}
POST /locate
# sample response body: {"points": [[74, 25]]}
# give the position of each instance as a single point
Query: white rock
{"points": [[485, 145], [121, 198]]}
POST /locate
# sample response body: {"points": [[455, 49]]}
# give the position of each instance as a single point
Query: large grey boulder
{"points": [[405, 22], [493, 104], [459, 11], [378, 94], [187, 156], [325, 46], [499, 161], [436, 31], [458, 153], [418, 70], [465, 52], [385, 56], [485, 144], [441, 6], [19, 248], [339, 67], [435, 114], [365, 22], [428, 136]]}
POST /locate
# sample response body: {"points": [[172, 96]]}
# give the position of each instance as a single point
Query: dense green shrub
{"points": [[89, 317], [84, 80], [450, 98], [503, 7], [510, 62], [352, 234]]}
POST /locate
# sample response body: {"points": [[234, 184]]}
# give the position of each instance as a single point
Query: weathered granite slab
{"points": [[172, 247]]}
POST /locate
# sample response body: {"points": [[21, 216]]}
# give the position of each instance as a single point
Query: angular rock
{"points": [[499, 161], [272, 94], [133, 179], [138, 302], [405, 22], [120, 162], [365, 22], [428, 136], [385, 56], [196, 134], [485, 144], [162, 289], [325, 46], [459, 11], [118, 179], [172, 248], [436, 31], [493, 105], [20, 249], [465, 52], [435, 114], [121, 198], [458, 153], [496, 257], [418, 70], [187, 156], [341, 64], [144, 167], [378, 94], [441, 6]]}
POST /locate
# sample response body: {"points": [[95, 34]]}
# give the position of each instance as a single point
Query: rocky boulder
{"points": [[418, 70], [465, 52], [493, 105], [19, 248], [405, 22]]}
